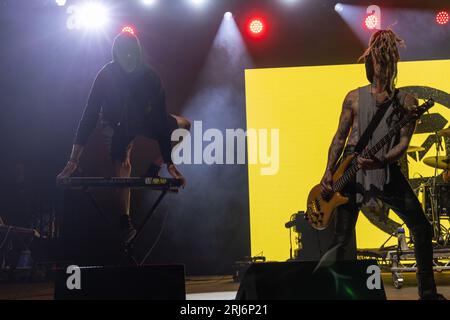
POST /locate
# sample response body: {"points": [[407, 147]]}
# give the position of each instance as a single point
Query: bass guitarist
{"points": [[379, 177]]}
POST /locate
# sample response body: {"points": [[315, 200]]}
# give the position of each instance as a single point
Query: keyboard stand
{"points": [[128, 248], [128, 254], [164, 185]]}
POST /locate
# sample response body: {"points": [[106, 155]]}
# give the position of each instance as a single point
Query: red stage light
{"points": [[442, 17], [256, 27], [371, 22], [128, 29]]}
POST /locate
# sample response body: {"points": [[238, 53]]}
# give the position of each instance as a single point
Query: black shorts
{"points": [[119, 143]]}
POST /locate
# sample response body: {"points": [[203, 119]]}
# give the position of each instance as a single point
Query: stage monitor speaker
{"points": [[156, 282], [344, 280]]}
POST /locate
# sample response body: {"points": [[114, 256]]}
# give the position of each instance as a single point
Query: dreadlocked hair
{"points": [[383, 47]]}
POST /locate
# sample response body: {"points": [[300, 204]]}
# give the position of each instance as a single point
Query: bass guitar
{"points": [[320, 207]]}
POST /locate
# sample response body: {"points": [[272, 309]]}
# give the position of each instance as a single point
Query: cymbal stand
{"points": [[433, 198]]}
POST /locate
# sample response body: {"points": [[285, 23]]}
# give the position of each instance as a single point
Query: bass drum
{"points": [[442, 194]]}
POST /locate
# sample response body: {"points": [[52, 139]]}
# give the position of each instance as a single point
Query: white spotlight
{"points": [[93, 15], [339, 7], [228, 15], [149, 2], [60, 2], [89, 15], [198, 2]]}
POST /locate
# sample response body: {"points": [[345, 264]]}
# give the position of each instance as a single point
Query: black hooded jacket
{"points": [[128, 103]]}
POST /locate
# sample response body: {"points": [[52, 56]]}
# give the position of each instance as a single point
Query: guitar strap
{"points": [[365, 137]]}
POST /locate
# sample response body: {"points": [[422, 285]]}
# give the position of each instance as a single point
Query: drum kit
{"points": [[435, 191]]}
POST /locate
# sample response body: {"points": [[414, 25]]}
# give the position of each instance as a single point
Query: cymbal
{"points": [[442, 162], [444, 132], [415, 149]]}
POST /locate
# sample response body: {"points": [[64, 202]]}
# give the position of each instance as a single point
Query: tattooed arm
{"points": [[339, 139], [405, 133]]}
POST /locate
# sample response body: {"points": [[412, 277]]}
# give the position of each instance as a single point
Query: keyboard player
{"points": [[130, 97]]}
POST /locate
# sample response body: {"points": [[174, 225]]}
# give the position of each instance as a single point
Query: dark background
{"points": [[46, 71]]}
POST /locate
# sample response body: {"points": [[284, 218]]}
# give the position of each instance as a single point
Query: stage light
{"points": [[149, 2], [88, 15], [228, 15], [198, 2], [92, 15], [60, 3], [373, 18], [256, 27], [339, 7], [442, 18], [128, 29], [371, 22]]}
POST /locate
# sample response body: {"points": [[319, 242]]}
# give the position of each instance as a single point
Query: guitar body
{"points": [[319, 211]]}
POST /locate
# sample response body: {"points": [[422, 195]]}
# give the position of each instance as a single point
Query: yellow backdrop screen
{"points": [[304, 103]]}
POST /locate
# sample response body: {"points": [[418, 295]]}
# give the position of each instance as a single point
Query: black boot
{"points": [[427, 287], [128, 232]]}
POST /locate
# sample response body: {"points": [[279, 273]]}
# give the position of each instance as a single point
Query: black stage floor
{"points": [[219, 288]]}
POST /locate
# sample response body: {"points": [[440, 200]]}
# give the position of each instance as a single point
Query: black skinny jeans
{"points": [[399, 196]]}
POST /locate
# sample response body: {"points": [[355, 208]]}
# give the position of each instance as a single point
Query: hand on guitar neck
{"points": [[370, 163]]}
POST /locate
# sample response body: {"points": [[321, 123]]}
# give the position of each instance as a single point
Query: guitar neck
{"points": [[353, 168]]}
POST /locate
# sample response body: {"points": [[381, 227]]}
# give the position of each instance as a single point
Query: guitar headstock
{"points": [[420, 110]]}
